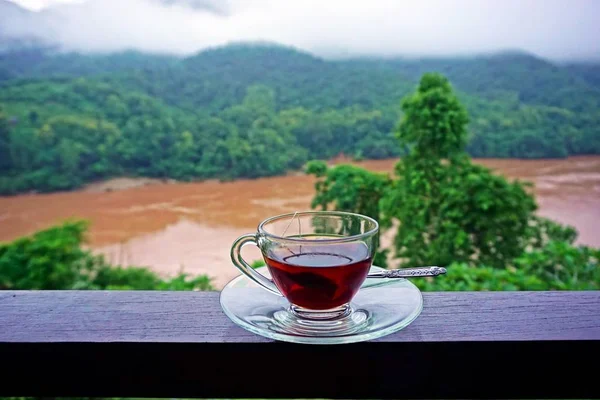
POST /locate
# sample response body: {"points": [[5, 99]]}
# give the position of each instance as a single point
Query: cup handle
{"points": [[238, 261]]}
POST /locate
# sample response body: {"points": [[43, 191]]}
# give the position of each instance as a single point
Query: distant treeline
{"points": [[251, 111]]}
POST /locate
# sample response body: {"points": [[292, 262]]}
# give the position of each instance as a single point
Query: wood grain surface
{"points": [[180, 344]]}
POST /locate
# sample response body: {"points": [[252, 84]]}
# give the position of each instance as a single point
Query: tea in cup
{"points": [[318, 260]]}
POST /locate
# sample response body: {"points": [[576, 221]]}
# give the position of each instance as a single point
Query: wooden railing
{"points": [[180, 344]]}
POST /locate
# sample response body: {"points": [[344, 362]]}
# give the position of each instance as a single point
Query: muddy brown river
{"points": [[190, 226]]}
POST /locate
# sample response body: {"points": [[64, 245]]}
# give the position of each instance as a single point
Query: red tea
{"points": [[319, 277]]}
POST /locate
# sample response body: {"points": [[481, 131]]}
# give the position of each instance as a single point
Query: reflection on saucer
{"points": [[380, 308]]}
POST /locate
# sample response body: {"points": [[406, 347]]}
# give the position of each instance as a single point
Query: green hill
{"points": [[250, 110], [589, 72]]}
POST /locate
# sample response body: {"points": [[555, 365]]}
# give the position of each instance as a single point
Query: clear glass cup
{"points": [[318, 260]]}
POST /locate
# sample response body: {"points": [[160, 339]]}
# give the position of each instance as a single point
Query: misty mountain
{"points": [[300, 79], [589, 72], [218, 78], [43, 61], [224, 111], [533, 79], [225, 73]]}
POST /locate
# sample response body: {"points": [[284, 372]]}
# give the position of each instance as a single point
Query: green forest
{"points": [[247, 111]]}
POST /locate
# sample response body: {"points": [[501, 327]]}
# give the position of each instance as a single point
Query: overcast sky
{"points": [[556, 29]]}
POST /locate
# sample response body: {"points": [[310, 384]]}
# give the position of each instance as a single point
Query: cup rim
{"points": [[343, 239]]}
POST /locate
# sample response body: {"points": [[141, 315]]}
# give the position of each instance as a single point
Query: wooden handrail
{"points": [[180, 344]]}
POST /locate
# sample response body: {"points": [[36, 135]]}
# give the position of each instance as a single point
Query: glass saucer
{"points": [[381, 307]]}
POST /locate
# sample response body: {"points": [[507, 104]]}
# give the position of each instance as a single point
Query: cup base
{"points": [[321, 315], [343, 320]]}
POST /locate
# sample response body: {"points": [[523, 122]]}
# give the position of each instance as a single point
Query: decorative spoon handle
{"points": [[408, 272]]}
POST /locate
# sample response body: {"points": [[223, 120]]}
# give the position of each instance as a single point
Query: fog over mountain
{"points": [[554, 29]]}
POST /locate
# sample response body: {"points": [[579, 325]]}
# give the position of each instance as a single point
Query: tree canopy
{"points": [[450, 209]]}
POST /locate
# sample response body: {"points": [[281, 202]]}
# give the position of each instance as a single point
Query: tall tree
{"points": [[448, 209]]}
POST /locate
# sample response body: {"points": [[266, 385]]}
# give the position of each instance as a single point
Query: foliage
{"points": [[434, 122], [557, 266], [563, 266], [135, 278], [348, 188], [245, 111], [450, 210], [96, 131], [53, 259], [463, 277], [352, 189], [543, 231], [50, 259]]}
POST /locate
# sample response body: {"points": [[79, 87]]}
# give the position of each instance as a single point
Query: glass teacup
{"points": [[318, 260]]}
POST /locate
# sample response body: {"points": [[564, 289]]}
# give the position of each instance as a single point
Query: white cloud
{"points": [[37, 5], [550, 28]]}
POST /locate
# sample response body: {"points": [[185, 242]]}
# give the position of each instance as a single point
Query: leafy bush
{"points": [[543, 231], [468, 278], [557, 266], [563, 266], [53, 259]]}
